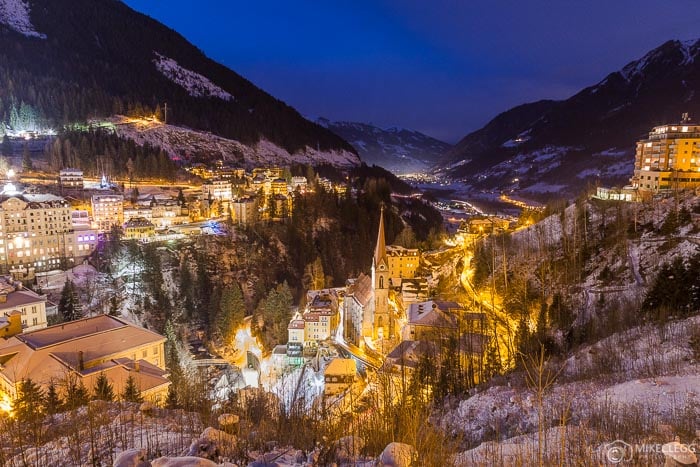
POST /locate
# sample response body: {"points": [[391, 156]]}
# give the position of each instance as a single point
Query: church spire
{"points": [[380, 249]]}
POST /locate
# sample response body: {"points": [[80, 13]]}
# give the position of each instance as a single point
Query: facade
{"points": [[295, 330], [219, 190], [37, 233], [71, 178], [358, 310], [438, 318], [321, 317], [626, 193], [244, 210], [138, 228], [669, 158], [339, 375], [278, 186], [107, 211], [81, 350], [30, 305], [403, 262]]}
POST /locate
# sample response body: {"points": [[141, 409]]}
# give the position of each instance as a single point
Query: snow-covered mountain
{"points": [[396, 149], [550, 148], [69, 61]]}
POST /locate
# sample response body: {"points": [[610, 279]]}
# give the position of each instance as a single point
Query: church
{"points": [[368, 314]]}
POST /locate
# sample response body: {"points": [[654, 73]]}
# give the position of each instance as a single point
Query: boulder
{"points": [[221, 438], [185, 461], [132, 458], [678, 454], [398, 455]]}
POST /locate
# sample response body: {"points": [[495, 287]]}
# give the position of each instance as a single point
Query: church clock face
{"points": [[381, 268]]}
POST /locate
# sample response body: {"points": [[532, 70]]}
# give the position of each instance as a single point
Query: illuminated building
{"points": [[84, 349], [37, 233], [219, 190], [138, 228], [382, 321], [71, 178], [107, 210], [669, 158], [321, 317], [403, 262]]}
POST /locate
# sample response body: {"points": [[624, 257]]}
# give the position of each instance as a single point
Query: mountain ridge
{"points": [[80, 65], [607, 117]]}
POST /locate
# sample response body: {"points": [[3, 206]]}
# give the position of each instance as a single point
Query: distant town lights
{"points": [[10, 173]]}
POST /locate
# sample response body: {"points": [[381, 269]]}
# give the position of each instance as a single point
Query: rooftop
{"points": [[341, 366], [97, 326], [20, 298]]}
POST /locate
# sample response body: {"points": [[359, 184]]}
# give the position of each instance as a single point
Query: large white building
{"points": [[37, 232], [107, 210], [218, 190]]}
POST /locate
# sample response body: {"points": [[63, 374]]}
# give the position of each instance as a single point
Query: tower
{"points": [[380, 283]]}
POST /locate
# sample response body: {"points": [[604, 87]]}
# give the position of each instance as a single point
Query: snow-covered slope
{"points": [[194, 83], [15, 15], [184, 143]]}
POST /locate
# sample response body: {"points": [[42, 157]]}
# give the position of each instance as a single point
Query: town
{"points": [[389, 320], [236, 235]]}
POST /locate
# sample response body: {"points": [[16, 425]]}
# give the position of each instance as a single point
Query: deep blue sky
{"points": [[443, 67]]}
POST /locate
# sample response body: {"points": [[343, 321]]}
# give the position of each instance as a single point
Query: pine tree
{"points": [[77, 394], [232, 311], [131, 391], [29, 403], [69, 305], [103, 390], [172, 401], [52, 402], [113, 306]]}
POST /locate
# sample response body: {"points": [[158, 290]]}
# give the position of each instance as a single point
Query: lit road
{"points": [[505, 326]]}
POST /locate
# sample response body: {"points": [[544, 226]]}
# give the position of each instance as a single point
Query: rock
{"points": [[185, 461], [228, 419], [220, 437], [398, 455], [678, 454], [132, 458]]}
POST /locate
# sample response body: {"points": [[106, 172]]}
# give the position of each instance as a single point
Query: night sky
{"points": [[441, 67]]}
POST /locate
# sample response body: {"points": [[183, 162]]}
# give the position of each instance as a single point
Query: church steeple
{"points": [[380, 249]]}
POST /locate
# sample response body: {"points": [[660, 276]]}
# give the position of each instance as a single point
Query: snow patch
{"points": [[179, 142], [194, 83], [15, 15]]}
